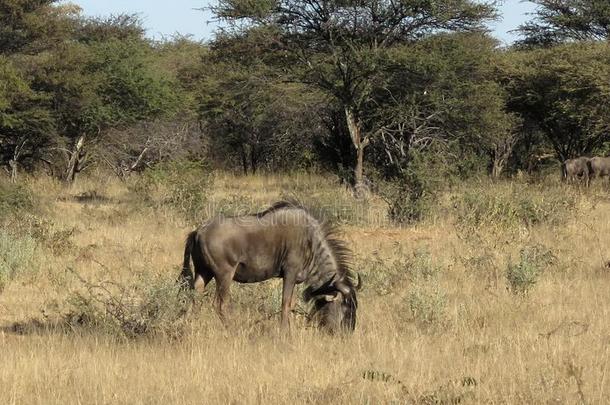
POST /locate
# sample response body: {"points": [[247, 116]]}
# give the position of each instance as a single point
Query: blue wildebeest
{"points": [[599, 167], [284, 241], [578, 168]]}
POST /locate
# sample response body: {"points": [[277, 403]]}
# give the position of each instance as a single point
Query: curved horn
{"points": [[331, 298], [342, 288]]}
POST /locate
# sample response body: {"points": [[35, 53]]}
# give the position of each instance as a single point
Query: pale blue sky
{"points": [[164, 18]]}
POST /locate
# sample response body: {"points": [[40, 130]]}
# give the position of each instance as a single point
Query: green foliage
{"points": [[514, 205], [408, 198], [564, 92], [344, 57], [25, 121], [427, 304], [30, 25], [386, 275], [18, 256], [559, 21], [180, 185], [522, 276], [129, 89], [15, 199], [255, 119]]}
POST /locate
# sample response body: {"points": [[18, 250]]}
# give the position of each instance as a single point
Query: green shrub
{"points": [[17, 257], [533, 260], [384, 275], [517, 205], [422, 267], [181, 185], [409, 198], [15, 198], [427, 303]]}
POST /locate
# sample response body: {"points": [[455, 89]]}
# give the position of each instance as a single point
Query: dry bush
{"points": [[181, 186], [133, 149], [149, 306]]}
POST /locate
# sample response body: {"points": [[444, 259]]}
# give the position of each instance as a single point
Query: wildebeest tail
{"points": [[186, 276]]}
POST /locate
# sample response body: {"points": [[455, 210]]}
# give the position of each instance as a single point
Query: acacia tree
{"points": [[564, 91], [28, 28], [103, 79], [254, 117], [339, 46], [444, 93], [562, 20]]}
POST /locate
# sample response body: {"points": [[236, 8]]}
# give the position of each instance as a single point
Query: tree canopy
{"points": [[557, 21]]}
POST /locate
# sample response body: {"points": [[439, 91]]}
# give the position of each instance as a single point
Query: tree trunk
{"points": [[498, 167], [244, 159], [359, 144], [13, 164], [76, 160], [501, 153]]}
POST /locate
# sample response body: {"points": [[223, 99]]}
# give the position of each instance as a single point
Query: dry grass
{"points": [[487, 345]]}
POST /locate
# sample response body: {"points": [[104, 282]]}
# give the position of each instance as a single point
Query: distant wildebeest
{"points": [[578, 168], [283, 241], [599, 167]]}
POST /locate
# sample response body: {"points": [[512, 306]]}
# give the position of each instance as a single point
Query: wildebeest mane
{"points": [[341, 253], [343, 259], [279, 205]]}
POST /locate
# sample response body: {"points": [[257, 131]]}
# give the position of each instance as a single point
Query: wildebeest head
{"points": [[334, 307]]}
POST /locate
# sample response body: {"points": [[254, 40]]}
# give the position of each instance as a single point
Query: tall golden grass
{"points": [[437, 323]]}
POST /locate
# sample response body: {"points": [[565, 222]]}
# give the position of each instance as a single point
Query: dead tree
{"points": [[77, 160], [14, 162]]}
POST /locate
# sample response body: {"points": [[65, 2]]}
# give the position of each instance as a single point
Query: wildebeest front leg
{"points": [[287, 293]]}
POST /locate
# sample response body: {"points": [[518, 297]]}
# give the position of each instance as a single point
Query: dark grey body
{"points": [[284, 241], [599, 167], [578, 168]]}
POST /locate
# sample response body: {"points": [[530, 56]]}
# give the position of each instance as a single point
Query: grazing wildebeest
{"points": [[283, 241], [599, 167], [577, 168]]}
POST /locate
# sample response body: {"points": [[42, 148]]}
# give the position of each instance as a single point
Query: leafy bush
{"points": [[409, 198], [147, 307], [422, 267], [17, 256], [15, 198], [427, 303], [518, 205], [522, 276], [384, 275], [180, 184]]}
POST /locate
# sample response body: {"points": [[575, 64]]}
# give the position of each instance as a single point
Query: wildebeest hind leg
{"points": [[200, 280], [223, 283]]}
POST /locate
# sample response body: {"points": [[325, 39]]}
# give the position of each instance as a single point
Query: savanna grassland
{"points": [[500, 295]]}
